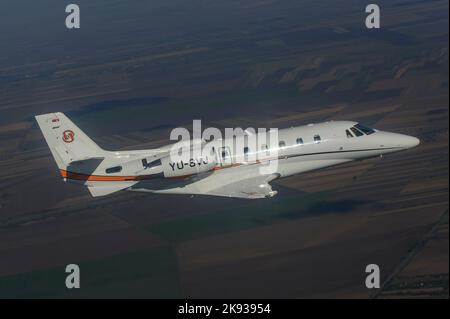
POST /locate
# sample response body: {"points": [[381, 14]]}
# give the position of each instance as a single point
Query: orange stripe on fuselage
{"points": [[218, 168], [103, 178]]}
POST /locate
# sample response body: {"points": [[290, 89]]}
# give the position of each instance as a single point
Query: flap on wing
{"points": [[250, 188], [97, 191]]}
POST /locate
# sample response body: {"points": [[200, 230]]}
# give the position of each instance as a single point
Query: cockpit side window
{"points": [[365, 129], [349, 135], [356, 132]]}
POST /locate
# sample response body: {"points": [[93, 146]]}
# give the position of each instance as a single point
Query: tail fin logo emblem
{"points": [[68, 136]]}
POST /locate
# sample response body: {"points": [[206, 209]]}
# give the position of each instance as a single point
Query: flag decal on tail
{"points": [[68, 136]]}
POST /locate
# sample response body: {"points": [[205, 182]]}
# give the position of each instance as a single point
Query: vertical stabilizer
{"points": [[66, 141]]}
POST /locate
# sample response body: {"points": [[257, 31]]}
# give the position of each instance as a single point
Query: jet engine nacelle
{"points": [[176, 167]]}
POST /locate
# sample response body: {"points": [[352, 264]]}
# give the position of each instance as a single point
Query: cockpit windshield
{"points": [[366, 130]]}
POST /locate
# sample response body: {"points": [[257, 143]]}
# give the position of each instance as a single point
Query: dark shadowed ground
{"points": [[137, 69]]}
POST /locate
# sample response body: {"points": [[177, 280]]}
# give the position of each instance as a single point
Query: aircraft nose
{"points": [[408, 141]]}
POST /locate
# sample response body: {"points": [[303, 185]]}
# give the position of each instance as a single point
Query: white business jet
{"points": [[224, 171]]}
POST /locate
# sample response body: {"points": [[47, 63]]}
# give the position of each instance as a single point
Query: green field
{"points": [[143, 274]]}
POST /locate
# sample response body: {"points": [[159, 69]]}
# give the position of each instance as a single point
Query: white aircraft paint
{"points": [[82, 161]]}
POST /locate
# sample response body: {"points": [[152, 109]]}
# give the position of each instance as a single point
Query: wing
{"points": [[250, 188]]}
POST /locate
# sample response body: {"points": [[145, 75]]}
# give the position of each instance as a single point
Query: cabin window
{"points": [[112, 170], [246, 150], [151, 164], [225, 154], [282, 144], [317, 138], [264, 147], [349, 135], [299, 141], [356, 132]]}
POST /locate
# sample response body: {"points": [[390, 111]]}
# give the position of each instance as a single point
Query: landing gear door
{"points": [[224, 155]]}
